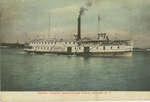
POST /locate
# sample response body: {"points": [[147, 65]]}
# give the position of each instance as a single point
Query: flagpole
{"points": [[98, 23], [49, 25]]}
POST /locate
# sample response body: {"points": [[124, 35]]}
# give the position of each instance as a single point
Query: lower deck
{"points": [[123, 53]]}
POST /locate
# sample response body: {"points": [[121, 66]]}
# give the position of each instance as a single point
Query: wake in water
{"points": [[22, 52]]}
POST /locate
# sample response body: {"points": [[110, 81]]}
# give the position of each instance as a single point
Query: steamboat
{"points": [[100, 46]]}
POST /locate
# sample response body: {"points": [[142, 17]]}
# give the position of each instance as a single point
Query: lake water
{"points": [[31, 72]]}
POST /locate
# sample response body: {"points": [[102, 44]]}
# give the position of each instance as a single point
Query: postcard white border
{"points": [[46, 96]]}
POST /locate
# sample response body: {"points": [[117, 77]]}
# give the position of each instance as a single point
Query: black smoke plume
{"points": [[82, 10]]}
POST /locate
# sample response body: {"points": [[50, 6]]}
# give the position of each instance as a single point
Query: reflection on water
{"points": [[31, 72]]}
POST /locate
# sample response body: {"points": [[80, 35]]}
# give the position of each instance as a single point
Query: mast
{"points": [[49, 26], [98, 28], [79, 28]]}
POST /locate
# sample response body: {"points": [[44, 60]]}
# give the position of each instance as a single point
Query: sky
{"points": [[23, 20]]}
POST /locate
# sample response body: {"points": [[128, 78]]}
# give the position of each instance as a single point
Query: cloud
{"points": [[66, 9]]}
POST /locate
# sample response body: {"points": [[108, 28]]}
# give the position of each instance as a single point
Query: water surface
{"points": [[31, 72]]}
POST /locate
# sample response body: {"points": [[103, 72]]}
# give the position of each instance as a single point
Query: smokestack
{"points": [[79, 28], [82, 10]]}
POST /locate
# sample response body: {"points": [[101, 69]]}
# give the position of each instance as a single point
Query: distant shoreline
{"points": [[11, 45], [141, 49]]}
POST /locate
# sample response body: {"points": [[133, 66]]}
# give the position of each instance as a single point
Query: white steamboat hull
{"points": [[122, 53]]}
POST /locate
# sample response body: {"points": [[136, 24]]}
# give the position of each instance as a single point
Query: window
{"points": [[118, 47], [111, 47], [103, 47], [97, 48]]}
